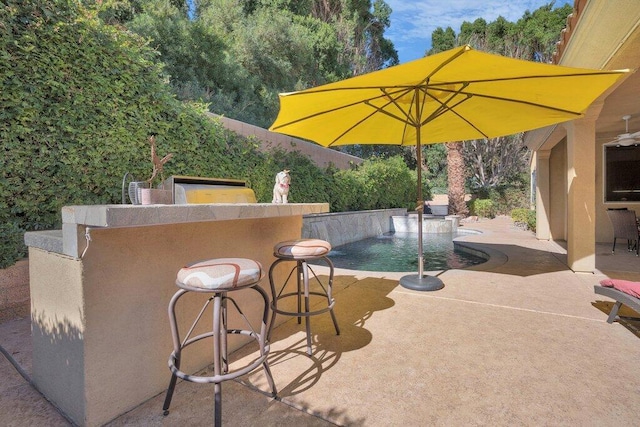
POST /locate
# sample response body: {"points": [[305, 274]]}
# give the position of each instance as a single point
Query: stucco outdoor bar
{"points": [[100, 289]]}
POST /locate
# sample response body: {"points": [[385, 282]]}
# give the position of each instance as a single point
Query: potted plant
{"points": [[151, 195]]}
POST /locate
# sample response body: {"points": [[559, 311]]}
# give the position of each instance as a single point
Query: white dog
{"points": [[281, 189]]}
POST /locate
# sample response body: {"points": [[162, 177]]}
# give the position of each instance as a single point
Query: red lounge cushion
{"points": [[626, 286]]}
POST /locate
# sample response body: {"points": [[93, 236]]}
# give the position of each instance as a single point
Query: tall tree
{"points": [[456, 179], [237, 55], [499, 161], [435, 167], [537, 32], [496, 161], [443, 40]]}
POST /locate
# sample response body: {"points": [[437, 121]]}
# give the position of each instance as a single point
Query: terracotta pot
{"points": [[155, 196], [134, 191]]}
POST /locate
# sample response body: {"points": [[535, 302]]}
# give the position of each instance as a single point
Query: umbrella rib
{"points": [[519, 101], [425, 90], [320, 113], [407, 114], [445, 63], [350, 128], [407, 119], [469, 95], [443, 85], [450, 82], [469, 83], [537, 76], [387, 95], [377, 109], [445, 108]]}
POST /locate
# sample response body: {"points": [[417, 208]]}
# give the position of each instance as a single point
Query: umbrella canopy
{"points": [[456, 95]]}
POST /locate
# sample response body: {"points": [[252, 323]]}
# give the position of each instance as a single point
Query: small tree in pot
{"points": [[156, 195]]}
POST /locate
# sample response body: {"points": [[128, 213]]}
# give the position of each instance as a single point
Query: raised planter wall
{"points": [[430, 224], [318, 154], [346, 227]]}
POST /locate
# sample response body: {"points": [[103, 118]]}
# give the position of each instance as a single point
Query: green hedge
{"points": [[79, 101], [484, 208], [505, 198], [525, 218]]}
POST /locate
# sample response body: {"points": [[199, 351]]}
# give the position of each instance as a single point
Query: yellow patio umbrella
{"points": [[460, 94]]}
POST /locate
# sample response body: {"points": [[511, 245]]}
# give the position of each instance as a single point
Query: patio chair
{"points": [[625, 226], [619, 291]]}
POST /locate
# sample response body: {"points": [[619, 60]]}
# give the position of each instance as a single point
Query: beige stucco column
{"points": [[581, 215], [542, 194]]}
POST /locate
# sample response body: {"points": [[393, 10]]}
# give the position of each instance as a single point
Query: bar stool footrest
{"points": [[275, 309], [218, 378]]}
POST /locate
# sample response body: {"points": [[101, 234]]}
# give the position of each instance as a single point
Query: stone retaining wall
{"points": [[318, 154], [346, 227], [430, 224]]}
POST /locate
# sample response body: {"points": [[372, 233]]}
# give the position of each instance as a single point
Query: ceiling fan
{"points": [[626, 139]]}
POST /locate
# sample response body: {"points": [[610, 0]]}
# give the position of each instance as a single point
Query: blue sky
{"points": [[413, 21]]}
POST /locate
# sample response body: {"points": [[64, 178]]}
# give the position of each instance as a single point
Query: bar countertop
{"points": [[117, 216], [144, 215]]}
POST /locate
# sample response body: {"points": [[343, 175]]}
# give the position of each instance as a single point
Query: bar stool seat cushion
{"points": [[302, 248], [220, 274]]}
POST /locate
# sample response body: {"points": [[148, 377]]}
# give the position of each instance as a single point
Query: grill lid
{"points": [[190, 189]]}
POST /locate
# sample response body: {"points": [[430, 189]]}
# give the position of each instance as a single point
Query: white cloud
{"points": [[413, 22]]}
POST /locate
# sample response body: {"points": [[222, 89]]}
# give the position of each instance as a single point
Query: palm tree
{"points": [[456, 179]]}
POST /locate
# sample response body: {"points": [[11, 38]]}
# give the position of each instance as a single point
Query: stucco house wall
{"points": [[558, 192], [568, 157]]}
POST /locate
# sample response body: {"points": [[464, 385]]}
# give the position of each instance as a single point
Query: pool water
{"points": [[399, 252]]}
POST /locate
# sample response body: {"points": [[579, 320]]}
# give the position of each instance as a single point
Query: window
{"points": [[621, 173]]}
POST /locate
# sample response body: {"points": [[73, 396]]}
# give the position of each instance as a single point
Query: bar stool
{"points": [[218, 276], [301, 251]]}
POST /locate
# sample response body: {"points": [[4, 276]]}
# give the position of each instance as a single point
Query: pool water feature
{"points": [[398, 252]]}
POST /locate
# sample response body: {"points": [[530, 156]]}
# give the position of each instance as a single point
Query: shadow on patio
{"points": [[524, 341]]}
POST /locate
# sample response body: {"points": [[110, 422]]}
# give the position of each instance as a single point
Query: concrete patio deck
{"points": [[519, 340]]}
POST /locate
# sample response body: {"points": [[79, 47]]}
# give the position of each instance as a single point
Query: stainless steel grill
{"points": [[191, 189]]}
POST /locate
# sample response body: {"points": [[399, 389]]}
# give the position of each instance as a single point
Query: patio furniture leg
{"points": [[229, 274], [176, 343], [307, 306], [219, 356], [614, 312], [300, 252], [169, 396]]}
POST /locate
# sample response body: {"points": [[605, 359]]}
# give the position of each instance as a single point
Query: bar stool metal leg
{"points": [[300, 252], [175, 334], [307, 309], [217, 359], [330, 301], [243, 274]]}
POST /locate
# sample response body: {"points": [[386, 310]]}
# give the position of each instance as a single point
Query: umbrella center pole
{"points": [[420, 207], [420, 282], [420, 254]]}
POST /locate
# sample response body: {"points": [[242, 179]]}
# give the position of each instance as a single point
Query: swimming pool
{"points": [[398, 252]]}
